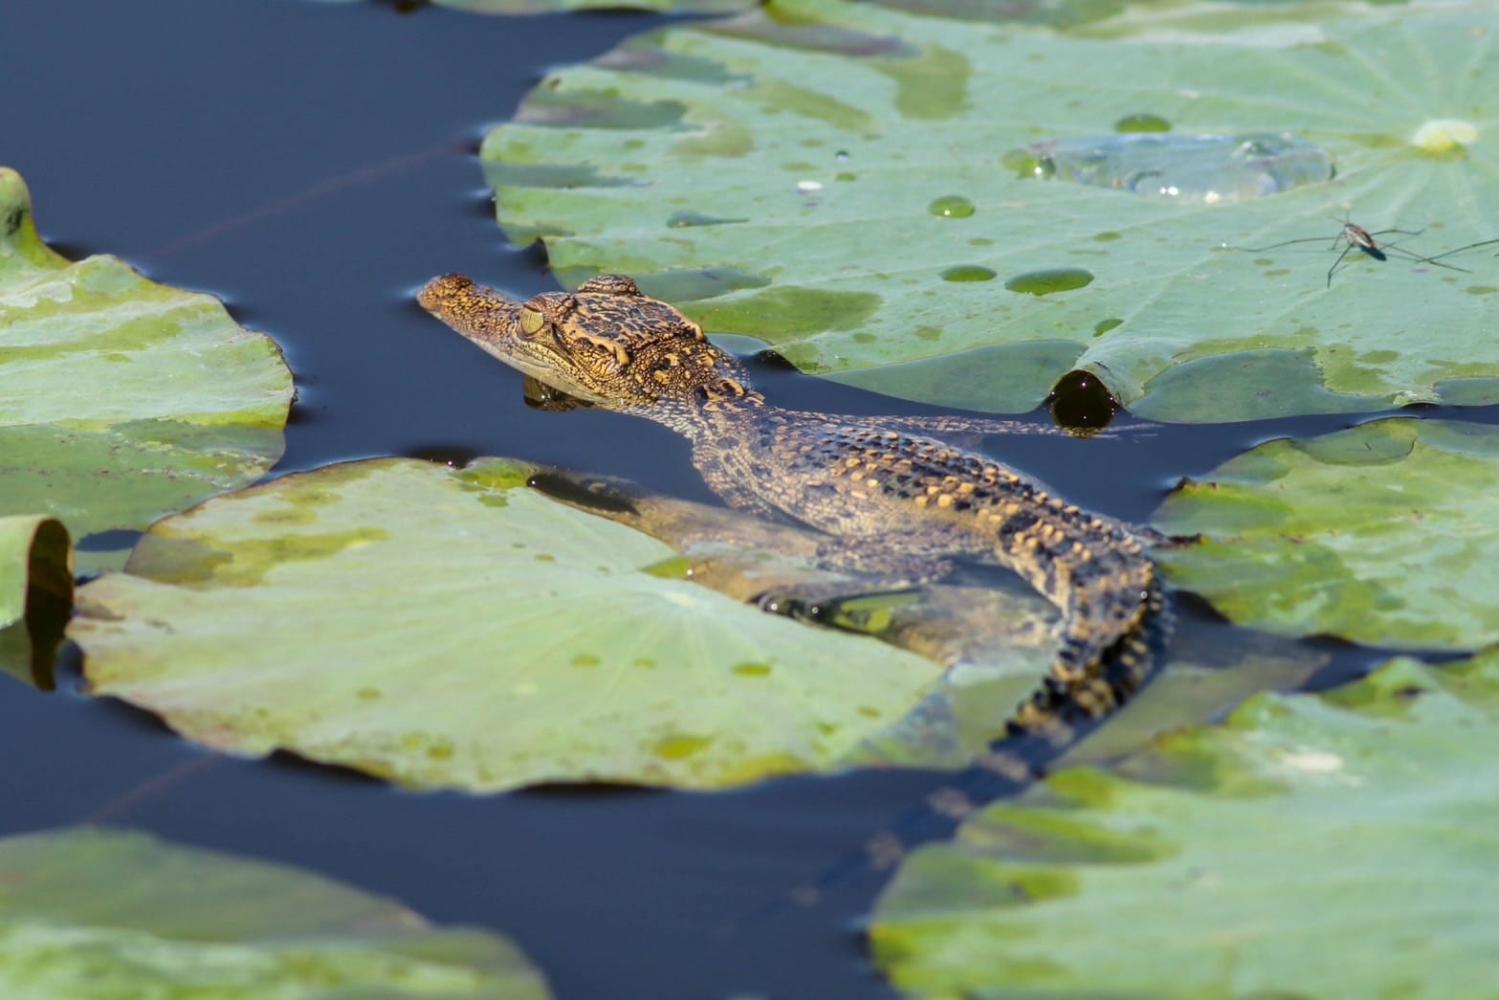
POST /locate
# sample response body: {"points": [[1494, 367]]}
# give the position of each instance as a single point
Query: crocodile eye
{"points": [[531, 320]]}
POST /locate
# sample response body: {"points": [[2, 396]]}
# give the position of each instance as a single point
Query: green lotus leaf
{"points": [[549, 6], [124, 400], [1386, 534], [1233, 860], [1057, 13], [1176, 15], [99, 914], [453, 628], [842, 181], [1206, 674], [36, 589], [33, 552]]}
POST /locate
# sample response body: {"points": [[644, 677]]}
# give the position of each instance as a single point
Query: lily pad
{"points": [[36, 588], [792, 174], [1233, 860], [1210, 671], [90, 914], [453, 628], [36, 594], [33, 552], [1386, 534], [550, 6], [124, 400]]}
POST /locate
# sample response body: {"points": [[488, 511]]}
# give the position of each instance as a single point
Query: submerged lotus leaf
{"points": [[995, 640], [36, 588], [1233, 860], [90, 914], [1386, 534], [454, 628], [840, 181], [123, 399]]}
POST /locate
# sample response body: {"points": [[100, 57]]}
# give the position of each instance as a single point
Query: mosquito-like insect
{"points": [[1355, 237], [1470, 246]]}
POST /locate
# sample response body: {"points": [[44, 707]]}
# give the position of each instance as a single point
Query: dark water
{"points": [[312, 164]]}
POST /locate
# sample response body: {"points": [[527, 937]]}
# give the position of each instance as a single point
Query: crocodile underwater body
{"points": [[896, 504]]}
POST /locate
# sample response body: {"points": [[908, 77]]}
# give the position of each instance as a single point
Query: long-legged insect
{"points": [[1470, 246], [1356, 237]]}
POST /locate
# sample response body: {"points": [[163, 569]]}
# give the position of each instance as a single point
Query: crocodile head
{"points": [[607, 342]]}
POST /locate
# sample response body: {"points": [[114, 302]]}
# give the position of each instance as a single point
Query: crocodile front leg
{"points": [[855, 604]]}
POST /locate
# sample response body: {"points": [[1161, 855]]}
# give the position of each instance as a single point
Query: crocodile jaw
{"points": [[492, 322]]}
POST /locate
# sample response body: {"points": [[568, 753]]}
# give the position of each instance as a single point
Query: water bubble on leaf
{"points": [[1210, 169]]}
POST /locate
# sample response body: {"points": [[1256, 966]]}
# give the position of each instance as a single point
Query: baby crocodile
{"points": [[895, 504]]}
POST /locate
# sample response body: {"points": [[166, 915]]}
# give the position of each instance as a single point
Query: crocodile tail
{"points": [[1055, 716], [1110, 623]]}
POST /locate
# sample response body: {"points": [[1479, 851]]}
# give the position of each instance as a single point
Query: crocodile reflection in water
{"points": [[893, 501]]}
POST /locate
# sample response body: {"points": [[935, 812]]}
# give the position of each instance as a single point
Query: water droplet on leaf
{"points": [[952, 206], [968, 272], [1049, 281], [1142, 122]]}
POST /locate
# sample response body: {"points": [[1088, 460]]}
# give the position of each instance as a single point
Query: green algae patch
{"points": [[1249, 383], [455, 628], [1232, 860], [1386, 534], [96, 913], [868, 170], [1003, 378], [786, 310], [691, 286], [124, 399]]}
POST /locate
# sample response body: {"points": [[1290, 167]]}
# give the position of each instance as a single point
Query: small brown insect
{"points": [[1355, 237]]}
